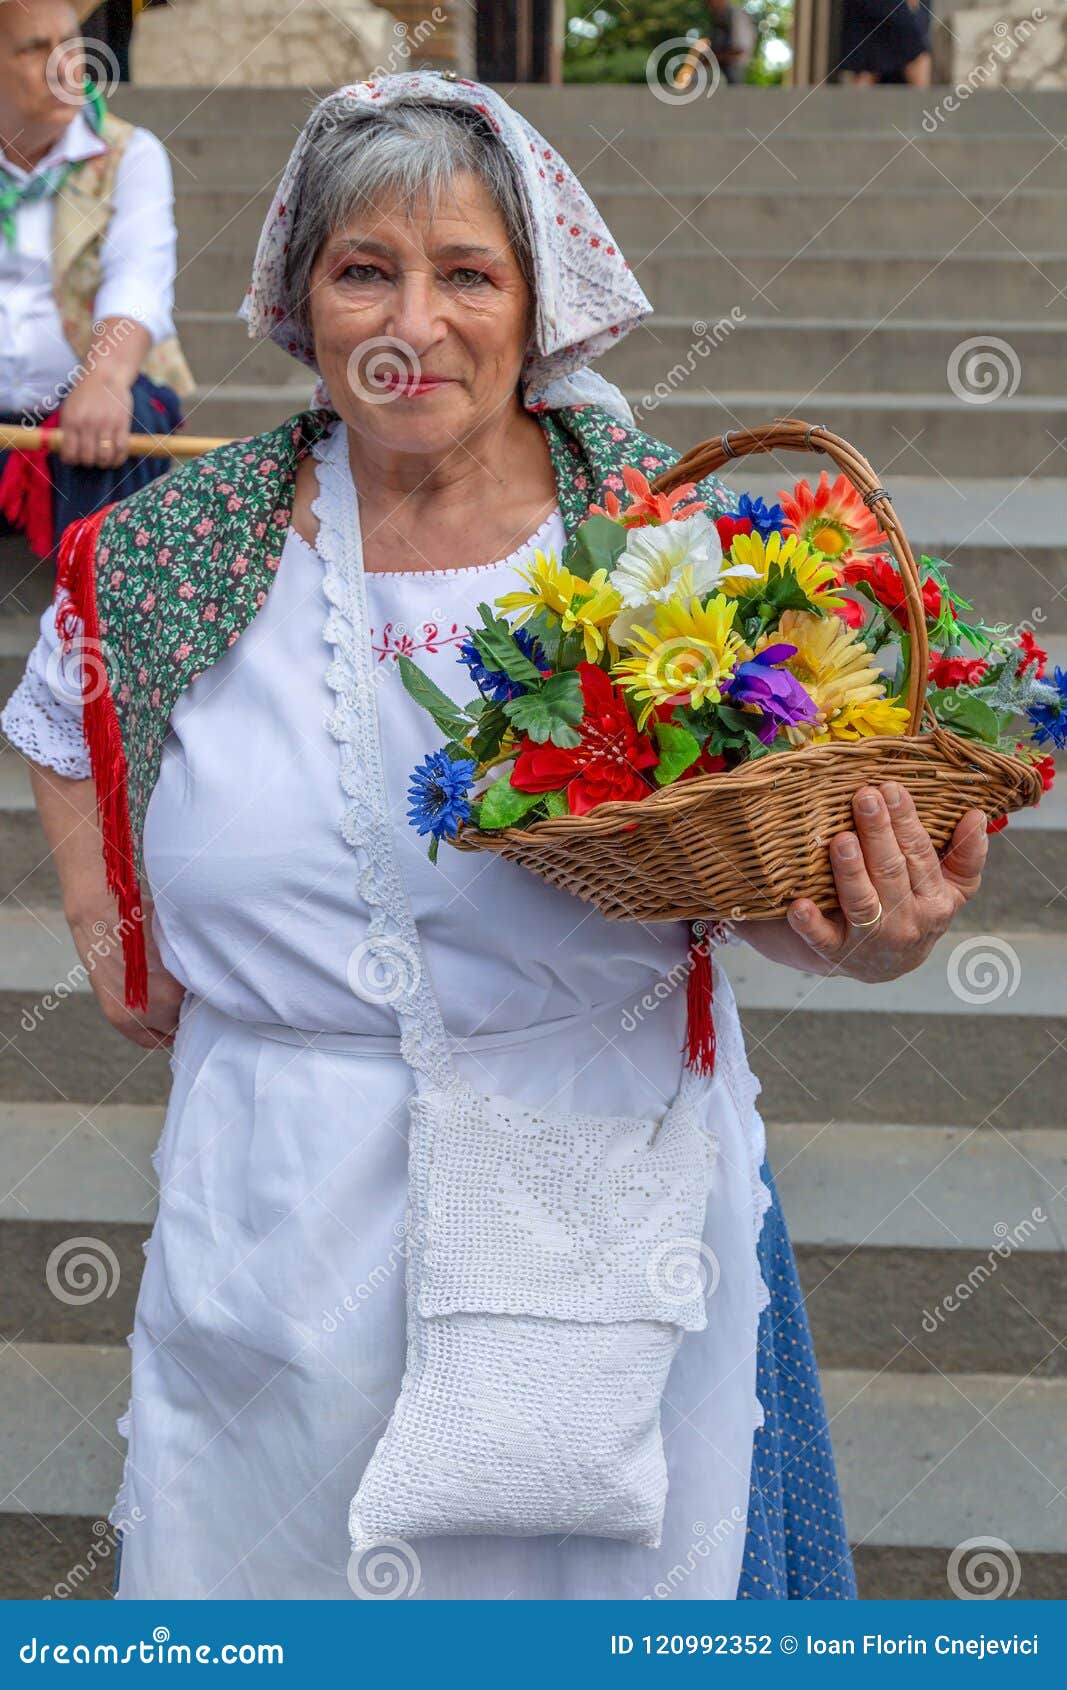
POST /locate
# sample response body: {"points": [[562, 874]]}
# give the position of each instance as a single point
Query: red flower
{"points": [[607, 762], [647, 506], [956, 671], [1032, 653], [851, 613], [883, 579], [995, 826], [728, 526]]}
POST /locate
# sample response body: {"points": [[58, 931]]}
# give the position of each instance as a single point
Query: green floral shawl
{"points": [[165, 581]]}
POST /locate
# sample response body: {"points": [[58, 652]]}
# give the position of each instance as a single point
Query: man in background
{"points": [[87, 262]]}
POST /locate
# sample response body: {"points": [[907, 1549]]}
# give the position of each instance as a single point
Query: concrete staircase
{"points": [[918, 1130]]}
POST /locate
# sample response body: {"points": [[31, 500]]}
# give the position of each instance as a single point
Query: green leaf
{"points": [[502, 805], [496, 646], [557, 803], [449, 717], [552, 712], [784, 592], [965, 714], [489, 734], [677, 750], [597, 544], [434, 847]]}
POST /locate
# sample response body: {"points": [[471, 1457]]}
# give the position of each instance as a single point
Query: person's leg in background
{"points": [[78, 490]]}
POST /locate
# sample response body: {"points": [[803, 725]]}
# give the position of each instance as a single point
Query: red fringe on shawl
{"points": [[700, 1035], [26, 494], [76, 574]]}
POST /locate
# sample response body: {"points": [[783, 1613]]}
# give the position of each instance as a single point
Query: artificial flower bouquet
{"points": [[669, 653]]}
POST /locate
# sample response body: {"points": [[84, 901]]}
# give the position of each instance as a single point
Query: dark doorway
{"points": [[514, 41]]}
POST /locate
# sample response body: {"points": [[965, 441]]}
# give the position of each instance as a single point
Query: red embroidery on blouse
{"points": [[398, 639]]}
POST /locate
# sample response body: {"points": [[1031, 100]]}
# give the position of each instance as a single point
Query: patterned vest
{"points": [[166, 580], [82, 214]]}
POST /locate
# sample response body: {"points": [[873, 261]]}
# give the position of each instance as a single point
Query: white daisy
{"points": [[667, 560]]}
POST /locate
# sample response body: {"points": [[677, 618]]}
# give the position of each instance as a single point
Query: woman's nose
{"points": [[415, 311]]}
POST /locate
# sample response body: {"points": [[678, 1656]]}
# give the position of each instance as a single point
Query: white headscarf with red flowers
{"points": [[586, 296]]}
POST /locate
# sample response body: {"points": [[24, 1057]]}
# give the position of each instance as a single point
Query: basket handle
{"points": [[797, 436]]}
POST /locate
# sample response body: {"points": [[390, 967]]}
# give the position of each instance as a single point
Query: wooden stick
{"points": [[140, 445]]}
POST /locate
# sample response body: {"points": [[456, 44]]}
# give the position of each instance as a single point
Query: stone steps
{"points": [[908, 1449], [639, 156], [914, 1134], [903, 355], [749, 220]]}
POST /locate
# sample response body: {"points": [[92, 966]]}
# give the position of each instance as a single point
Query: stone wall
{"points": [[317, 43], [1012, 45]]}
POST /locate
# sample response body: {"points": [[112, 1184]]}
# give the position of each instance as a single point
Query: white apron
{"points": [[269, 1337]]}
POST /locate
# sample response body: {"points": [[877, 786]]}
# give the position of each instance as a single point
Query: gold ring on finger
{"points": [[875, 919]]}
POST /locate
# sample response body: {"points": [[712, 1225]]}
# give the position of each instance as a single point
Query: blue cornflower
{"points": [[494, 684], [764, 521], [1049, 718], [438, 794]]}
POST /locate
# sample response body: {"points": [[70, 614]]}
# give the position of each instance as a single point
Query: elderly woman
{"points": [[357, 1336]]}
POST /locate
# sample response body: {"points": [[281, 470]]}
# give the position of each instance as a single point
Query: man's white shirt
{"points": [[137, 259]]}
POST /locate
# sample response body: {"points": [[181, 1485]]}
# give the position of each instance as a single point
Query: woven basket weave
{"points": [[743, 844]]}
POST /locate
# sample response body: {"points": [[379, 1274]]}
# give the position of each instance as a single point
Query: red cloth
{"points": [[26, 493]]}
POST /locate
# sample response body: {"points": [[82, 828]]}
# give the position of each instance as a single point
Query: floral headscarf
{"points": [[586, 296]]}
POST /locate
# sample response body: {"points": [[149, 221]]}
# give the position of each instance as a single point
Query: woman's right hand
{"points": [[68, 812], [99, 945]]}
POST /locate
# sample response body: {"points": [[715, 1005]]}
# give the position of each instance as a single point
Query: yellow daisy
{"points": [[877, 716], [834, 666], [690, 650], [590, 606], [781, 555]]}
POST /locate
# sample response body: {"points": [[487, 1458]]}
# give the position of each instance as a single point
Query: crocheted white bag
{"points": [[553, 1259], [550, 1281]]}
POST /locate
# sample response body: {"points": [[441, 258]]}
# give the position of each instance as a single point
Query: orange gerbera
{"points": [[647, 506], [833, 520]]}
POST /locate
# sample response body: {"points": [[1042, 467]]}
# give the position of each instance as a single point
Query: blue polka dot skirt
{"points": [[796, 1547]]}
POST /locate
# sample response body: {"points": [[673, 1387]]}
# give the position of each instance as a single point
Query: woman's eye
{"points": [[361, 272], [467, 278]]}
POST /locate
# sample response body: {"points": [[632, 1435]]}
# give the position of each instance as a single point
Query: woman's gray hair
{"points": [[412, 150]]}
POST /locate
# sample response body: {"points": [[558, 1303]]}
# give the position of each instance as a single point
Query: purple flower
{"points": [[775, 692]]}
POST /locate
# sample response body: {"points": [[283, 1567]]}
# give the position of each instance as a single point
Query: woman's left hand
{"points": [[896, 896]]}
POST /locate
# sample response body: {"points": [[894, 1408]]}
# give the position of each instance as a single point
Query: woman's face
{"points": [[420, 321]]}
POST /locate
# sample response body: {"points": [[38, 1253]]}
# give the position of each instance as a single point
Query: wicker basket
{"points": [[742, 845]]}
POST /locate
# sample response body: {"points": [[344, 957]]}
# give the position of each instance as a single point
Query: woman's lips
{"points": [[412, 388]]}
